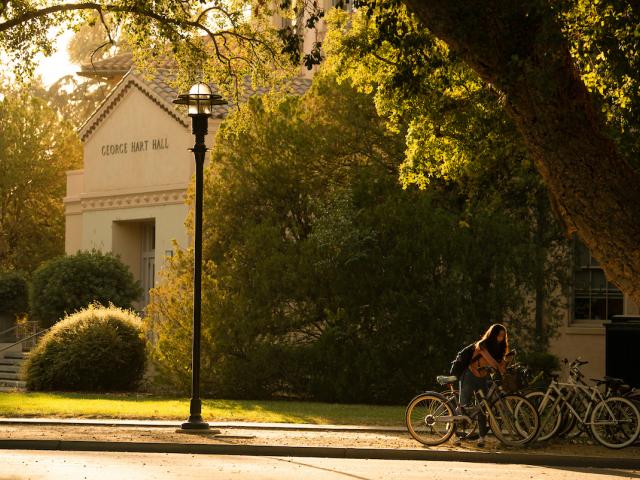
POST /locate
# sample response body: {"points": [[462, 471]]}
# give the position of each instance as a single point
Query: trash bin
{"points": [[622, 338]]}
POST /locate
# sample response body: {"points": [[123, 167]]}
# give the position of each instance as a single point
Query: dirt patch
{"points": [[241, 436]]}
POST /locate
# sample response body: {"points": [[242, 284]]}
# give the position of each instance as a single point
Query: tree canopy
{"points": [[524, 50], [324, 279], [37, 147], [565, 73]]}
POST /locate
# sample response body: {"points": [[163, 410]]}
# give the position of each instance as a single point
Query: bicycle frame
{"points": [[591, 393], [481, 400]]}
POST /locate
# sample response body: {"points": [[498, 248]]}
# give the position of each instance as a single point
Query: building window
{"points": [[594, 297], [148, 268]]}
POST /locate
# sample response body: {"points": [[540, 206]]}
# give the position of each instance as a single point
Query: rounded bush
{"points": [[98, 349], [14, 294], [66, 284]]}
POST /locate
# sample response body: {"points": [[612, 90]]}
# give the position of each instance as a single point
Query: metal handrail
{"points": [[8, 330], [24, 340]]}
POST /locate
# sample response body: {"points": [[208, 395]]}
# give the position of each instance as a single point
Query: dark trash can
{"points": [[622, 340]]}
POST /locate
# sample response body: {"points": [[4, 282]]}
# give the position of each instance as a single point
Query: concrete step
{"points": [[12, 368], [13, 384], [11, 361], [15, 355], [12, 348], [12, 389]]}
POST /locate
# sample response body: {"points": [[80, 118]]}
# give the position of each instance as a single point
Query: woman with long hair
{"points": [[490, 350]]}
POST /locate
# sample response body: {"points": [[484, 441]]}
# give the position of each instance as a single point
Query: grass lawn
{"points": [[137, 406]]}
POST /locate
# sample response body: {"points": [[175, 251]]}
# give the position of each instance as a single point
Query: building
{"points": [[593, 301], [129, 198]]}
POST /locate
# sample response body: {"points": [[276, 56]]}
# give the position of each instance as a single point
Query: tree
{"points": [[37, 147], [217, 41], [518, 48], [69, 283], [457, 132], [323, 279]]}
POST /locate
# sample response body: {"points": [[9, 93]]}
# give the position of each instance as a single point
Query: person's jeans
{"points": [[469, 383]]}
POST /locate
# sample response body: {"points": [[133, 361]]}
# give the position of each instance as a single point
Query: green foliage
{"points": [[14, 294], [219, 42], [37, 147], [322, 278], [457, 135], [69, 283], [605, 43], [454, 121], [98, 349], [541, 365]]}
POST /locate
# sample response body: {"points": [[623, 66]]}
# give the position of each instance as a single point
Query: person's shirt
{"points": [[482, 358]]}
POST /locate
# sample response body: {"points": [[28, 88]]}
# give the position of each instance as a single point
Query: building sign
{"points": [[134, 146]]}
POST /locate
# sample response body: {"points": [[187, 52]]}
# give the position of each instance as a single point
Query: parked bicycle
{"points": [[432, 418], [573, 406]]}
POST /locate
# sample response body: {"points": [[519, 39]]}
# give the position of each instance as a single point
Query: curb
{"points": [[327, 452], [176, 423]]}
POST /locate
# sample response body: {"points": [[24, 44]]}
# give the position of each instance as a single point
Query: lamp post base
{"points": [[195, 424]]}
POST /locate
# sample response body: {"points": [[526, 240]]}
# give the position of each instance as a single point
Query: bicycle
{"points": [[613, 421], [431, 417]]}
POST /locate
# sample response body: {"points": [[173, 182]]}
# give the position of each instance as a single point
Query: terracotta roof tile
{"points": [[160, 81]]}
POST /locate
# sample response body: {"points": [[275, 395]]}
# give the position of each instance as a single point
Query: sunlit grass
{"points": [[136, 406]]}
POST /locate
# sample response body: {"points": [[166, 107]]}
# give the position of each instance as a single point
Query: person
{"points": [[491, 350]]}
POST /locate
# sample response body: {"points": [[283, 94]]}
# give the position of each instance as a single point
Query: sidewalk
{"points": [[289, 440]]}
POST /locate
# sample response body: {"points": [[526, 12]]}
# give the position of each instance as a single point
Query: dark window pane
{"points": [[598, 282], [595, 298], [598, 308], [614, 307], [583, 281], [581, 308]]}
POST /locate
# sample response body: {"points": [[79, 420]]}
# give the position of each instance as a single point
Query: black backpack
{"points": [[462, 361]]}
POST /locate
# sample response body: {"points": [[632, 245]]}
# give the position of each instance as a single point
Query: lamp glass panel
{"points": [[200, 99]]}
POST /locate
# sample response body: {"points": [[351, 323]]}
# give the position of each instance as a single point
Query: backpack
{"points": [[463, 360]]}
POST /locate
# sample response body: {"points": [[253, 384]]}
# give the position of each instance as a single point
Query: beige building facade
{"points": [[129, 198], [592, 303]]}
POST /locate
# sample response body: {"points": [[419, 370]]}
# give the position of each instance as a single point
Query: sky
{"points": [[58, 65]]}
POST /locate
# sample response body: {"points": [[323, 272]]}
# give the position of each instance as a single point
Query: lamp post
{"points": [[200, 101]]}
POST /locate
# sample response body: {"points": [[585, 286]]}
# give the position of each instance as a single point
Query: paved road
{"points": [[24, 464]]}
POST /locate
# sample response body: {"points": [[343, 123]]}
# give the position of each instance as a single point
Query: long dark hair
{"points": [[490, 341]]}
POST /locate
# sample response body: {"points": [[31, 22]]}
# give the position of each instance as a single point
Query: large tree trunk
{"points": [[518, 47]]}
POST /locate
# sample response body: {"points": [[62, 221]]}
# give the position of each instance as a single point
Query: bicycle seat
{"points": [[608, 379], [445, 379]]}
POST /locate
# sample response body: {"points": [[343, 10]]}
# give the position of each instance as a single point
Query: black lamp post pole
{"points": [[200, 128], [199, 100]]}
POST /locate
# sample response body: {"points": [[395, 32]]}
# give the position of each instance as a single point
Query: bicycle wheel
{"points": [[514, 420], [572, 426], [615, 422], [549, 413], [424, 420], [463, 429]]}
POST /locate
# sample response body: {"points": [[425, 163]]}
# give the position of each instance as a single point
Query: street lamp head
{"points": [[200, 100]]}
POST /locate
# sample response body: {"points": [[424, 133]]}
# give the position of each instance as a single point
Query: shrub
{"points": [[541, 365], [68, 283], [14, 294], [97, 349]]}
